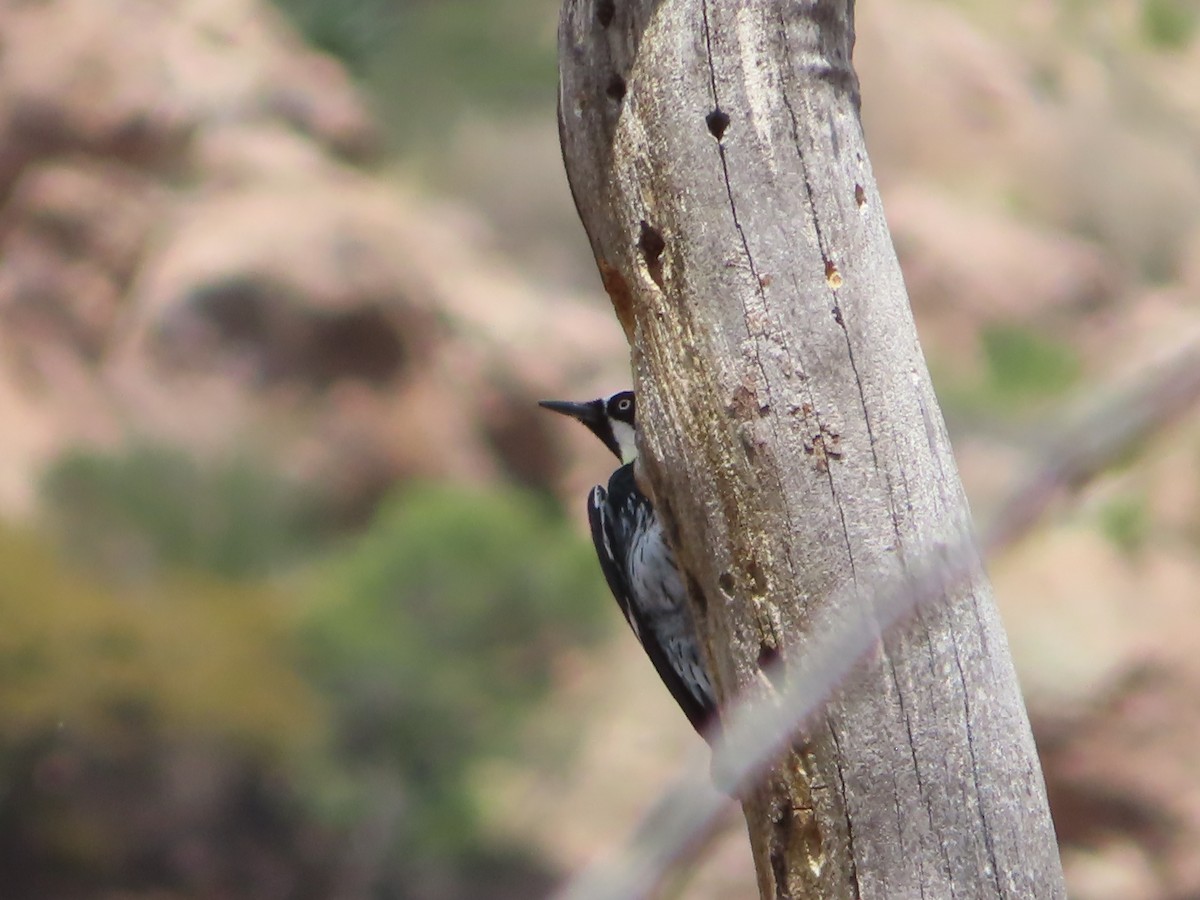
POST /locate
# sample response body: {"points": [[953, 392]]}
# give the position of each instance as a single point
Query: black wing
{"points": [[611, 553], [610, 545]]}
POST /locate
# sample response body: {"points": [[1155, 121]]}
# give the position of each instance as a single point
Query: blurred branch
{"points": [[684, 814], [1124, 417]]}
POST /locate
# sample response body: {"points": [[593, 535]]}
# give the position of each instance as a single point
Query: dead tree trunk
{"points": [[792, 437]]}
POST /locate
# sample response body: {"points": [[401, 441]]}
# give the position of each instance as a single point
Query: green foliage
{"points": [[425, 63], [188, 655], [1170, 24], [157, 507], [486, 52], [102, 692], [355, 31], [435, 631], [1022, 372], [1022, 364], [1126, 522], [407, 654]]}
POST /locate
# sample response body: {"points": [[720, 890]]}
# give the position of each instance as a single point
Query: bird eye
{"points": [[624, 404]]}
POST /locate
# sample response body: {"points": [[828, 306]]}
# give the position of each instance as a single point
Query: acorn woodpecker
{"points": [[638, 563]]}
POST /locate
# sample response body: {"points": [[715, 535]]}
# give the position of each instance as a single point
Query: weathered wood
{"points": [[792, 436]]}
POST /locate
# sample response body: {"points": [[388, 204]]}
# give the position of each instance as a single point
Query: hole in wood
{"points": [[726, 582], [758, 578], [717, 121], [832, 276], [780, 839], [605, 10], [616, 88], [652, 245], [770, 663]]}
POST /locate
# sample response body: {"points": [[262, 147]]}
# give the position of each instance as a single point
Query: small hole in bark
{"points": [[717, 121], [652, 245], [696, 594], [616, 88], [758, 578], [780, 839], [605, 10], [860, 196], [832, 276], [651, 242], [770, 663], [726, 583]]}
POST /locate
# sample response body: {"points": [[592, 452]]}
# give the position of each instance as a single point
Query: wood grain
{"points": [[792, 436]]}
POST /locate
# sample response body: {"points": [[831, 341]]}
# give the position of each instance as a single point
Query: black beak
{"points": [[590, 413]]}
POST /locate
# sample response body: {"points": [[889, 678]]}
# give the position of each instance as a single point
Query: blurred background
{"points": [[296, 595]]}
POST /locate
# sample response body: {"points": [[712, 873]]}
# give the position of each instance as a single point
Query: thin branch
{"points": [[1125, 417]]}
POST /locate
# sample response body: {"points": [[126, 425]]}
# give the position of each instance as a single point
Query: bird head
{"points": [[612, 419]]}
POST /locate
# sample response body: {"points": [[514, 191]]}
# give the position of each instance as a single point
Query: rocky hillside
{"points": [[201, 245]]}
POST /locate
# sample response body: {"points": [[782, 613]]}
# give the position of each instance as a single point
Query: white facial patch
{"points": [[626, 440]]}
